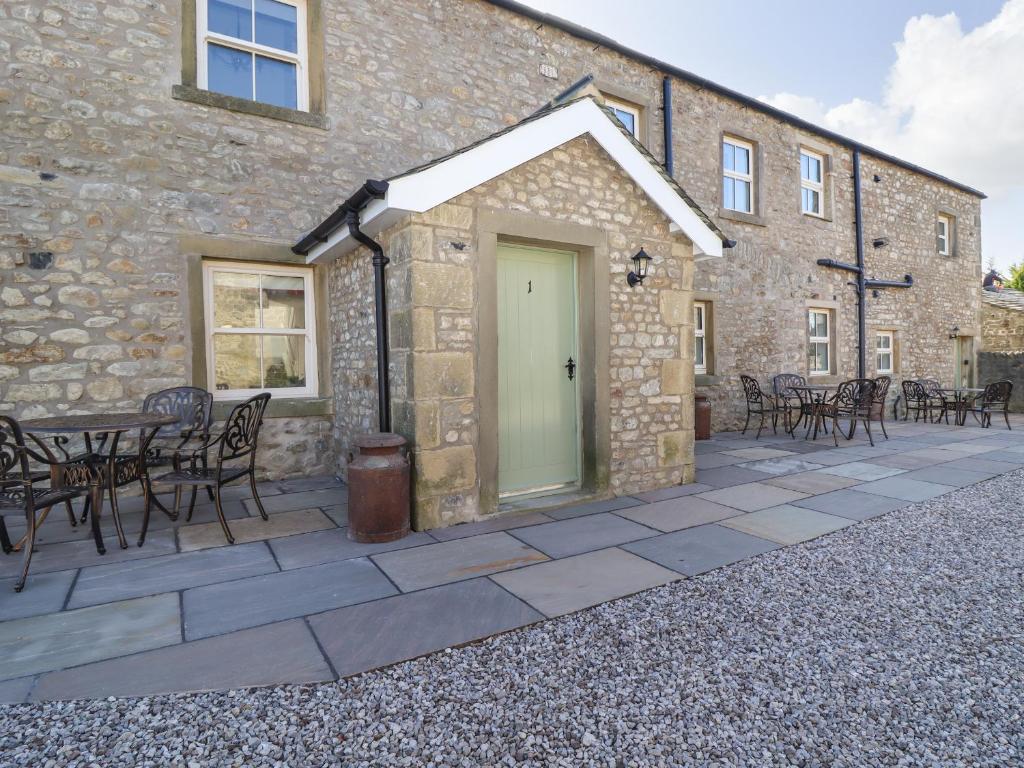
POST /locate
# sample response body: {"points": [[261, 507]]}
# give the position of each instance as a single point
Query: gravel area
{"points": [[899, 641]]}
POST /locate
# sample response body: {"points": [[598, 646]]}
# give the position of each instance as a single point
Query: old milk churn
{"points": [[701, 417], [378, 489]]}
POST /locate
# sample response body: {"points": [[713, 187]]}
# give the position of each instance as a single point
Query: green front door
{"points": [[538, 437]]}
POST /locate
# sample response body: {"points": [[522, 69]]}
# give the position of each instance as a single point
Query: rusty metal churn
{"points": [[378, 489], [701, 417]]}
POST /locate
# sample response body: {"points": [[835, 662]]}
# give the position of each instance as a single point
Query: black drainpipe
{"points": [[380, 311], [666, 109]]}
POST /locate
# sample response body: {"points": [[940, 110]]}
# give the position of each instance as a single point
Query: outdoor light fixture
{"points": [[880, 242], [640, 262], [955, 332]]}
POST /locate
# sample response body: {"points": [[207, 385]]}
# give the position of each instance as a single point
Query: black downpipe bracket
{"points": [[380, 312], [666, 114]]}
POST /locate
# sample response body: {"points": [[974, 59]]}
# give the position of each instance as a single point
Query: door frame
{"points": [[574, 257], [959, 344], [593, 341]]}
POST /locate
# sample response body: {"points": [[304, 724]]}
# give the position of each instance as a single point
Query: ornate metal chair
{"points": [[236, 442], [882, 384], [852, 403], [21, 491], [995, 399], [915, 399], [792, 400], [936, 399], [761, 405]]}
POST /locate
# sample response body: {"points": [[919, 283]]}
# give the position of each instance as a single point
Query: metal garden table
{"points": [[962, 397], [817, 395], [100, 466]]}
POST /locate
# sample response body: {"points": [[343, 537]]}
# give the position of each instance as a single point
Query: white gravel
{"points": [[899, 641]]}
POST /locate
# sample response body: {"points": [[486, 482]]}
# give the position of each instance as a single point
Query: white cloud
{"points": [[954, 103]]}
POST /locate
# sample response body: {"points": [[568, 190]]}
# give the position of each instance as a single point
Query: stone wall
{"points": [[1002, 327], [104, 177], [435, 321], [999, 366]]}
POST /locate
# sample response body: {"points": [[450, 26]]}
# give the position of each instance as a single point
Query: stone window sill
{"points": [[745, 218], [284, 408], [706, 380], [235, 104]]}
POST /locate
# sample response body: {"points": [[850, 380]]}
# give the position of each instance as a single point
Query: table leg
{"points": [[96, 505]]}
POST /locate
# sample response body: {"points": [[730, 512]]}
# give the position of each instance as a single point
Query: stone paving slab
{"points": [[715, 460], [76, 554], [16, 691], [577, 535], [752, 496], [328, 546], [850, 504], [251, 657], [563, 586], [593, 507], [787, 524], [784, 466], [363, 637], [966, 448], [935, 455], [1009, 457], [252, 529], [752, 454], [813, 482], [829, 458], [220, 608], [313, 483], [170, 573], [324, 497], [698, 550], [901, 488], [724, 477], [672, 492], [457, 560], [67, 639], [338, 513], [862, 470], [944, 474], [498, 523], [47, 595], [677, 514], [981, 463], [903, 461]]}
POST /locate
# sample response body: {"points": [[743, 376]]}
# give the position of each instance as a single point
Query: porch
{"points": [[294, 601]]}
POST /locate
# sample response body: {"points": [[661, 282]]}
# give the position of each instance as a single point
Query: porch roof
{"points": [[427, 186]]}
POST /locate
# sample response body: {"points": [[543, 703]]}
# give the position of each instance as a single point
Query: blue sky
{"points": [[938, 83]]}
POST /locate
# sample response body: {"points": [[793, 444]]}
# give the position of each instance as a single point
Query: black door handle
{"points": [[571, 368]]}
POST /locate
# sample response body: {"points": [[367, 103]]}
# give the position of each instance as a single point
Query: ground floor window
{"points": [[260, 330], [884, 350], [819, 347], [700, 345]]}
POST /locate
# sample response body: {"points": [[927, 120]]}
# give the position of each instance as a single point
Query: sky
{"points": [[938, 83]]}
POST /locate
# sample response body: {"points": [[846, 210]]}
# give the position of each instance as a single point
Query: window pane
{"points": [[698, 351], [812, 203], [814, 169], [236, 300], [805, 200], [884, 341], [229, 71], [275, 82], [728, 193], [884, 362], [698, 317], [236, 359], [821, 324], [284, 301], [742, 160], [230, 17], [803, 166], [628, 119], [742, 196], [277, 25], [284, 361], [729, 157], [817, 357]]}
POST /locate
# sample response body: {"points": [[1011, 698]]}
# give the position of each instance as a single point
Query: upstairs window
{"points": [[883, 352], [944, 234], [628, 114], [738, 175], [700, 346], [819, 348], [254, 49], [260, 330], [811, 182]]}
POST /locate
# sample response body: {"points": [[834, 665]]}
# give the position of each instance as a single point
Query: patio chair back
{"points": [[931, 387], [882, 384], [13, 457], [242, 428], [192, 406], [782, 382], [752, 390], [914, 391], [997, 393], [854, 396]]}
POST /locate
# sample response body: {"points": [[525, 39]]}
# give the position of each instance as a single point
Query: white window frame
{"points": [[810, 184], [945, 223], [300, 59], [623, 106], [309, 332], [826, 340], [880, 350], [700, 310], [747, 177]]}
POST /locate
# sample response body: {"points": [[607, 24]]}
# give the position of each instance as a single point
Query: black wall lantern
{"points": [[640, 262], [954, 332]]}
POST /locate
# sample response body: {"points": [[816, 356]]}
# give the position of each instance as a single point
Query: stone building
{"points": [[159, 161], [1002, 320]]}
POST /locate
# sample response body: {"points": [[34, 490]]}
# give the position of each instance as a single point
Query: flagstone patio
{"points": [[296, 601]]}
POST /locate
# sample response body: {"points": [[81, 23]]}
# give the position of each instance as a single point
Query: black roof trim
{"points": [[371, 190], [595, 37]]}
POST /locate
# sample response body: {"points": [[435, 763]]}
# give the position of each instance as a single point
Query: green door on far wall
{"points": [[538, 434]]}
